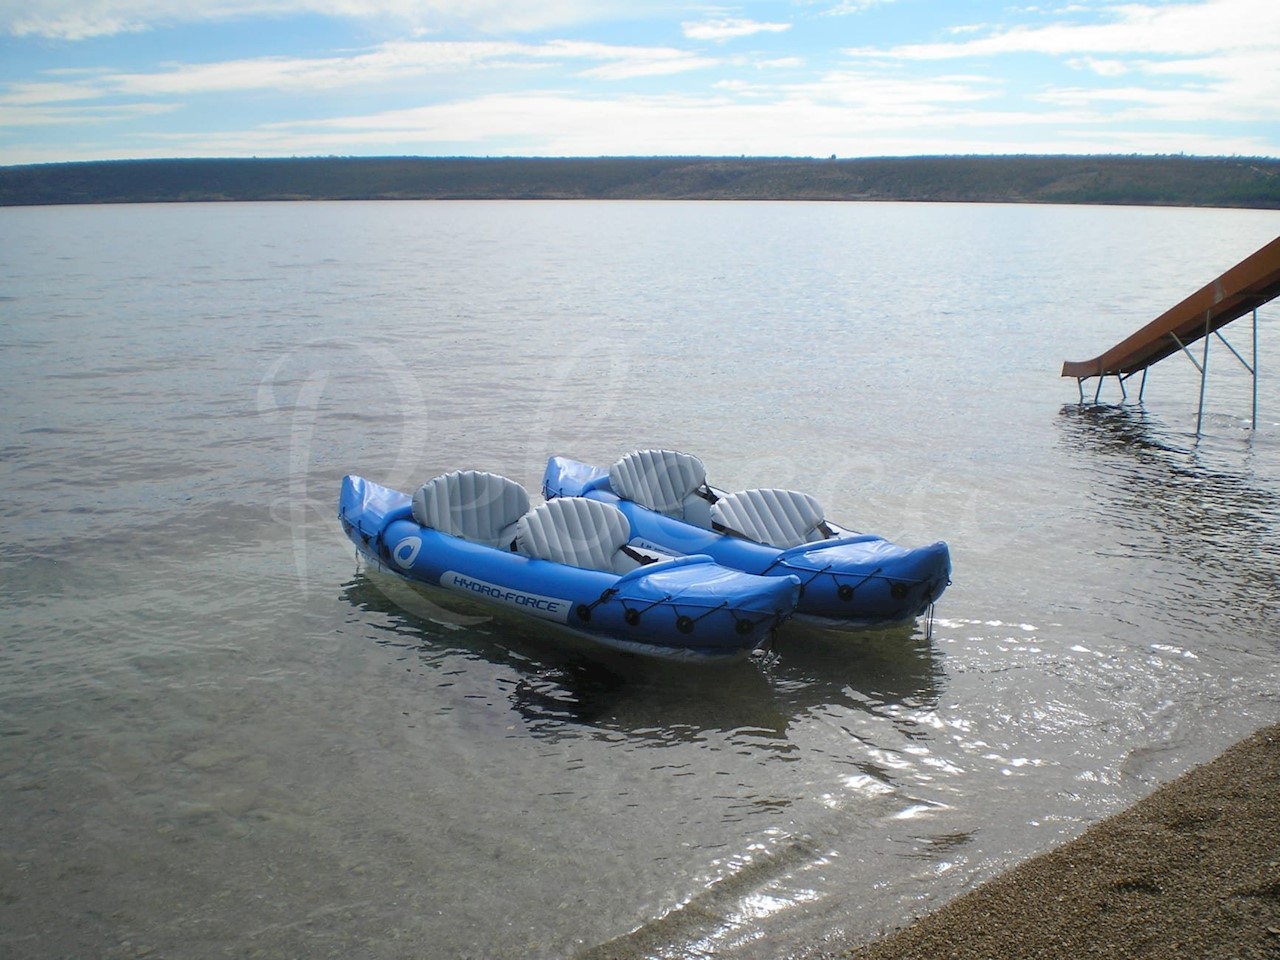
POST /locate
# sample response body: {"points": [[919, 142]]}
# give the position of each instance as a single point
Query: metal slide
{"points": [[1245, 287], [1248, 285]]}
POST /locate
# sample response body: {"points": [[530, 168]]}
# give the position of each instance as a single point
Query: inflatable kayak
{"points": [[848, 578], [568, 562]]}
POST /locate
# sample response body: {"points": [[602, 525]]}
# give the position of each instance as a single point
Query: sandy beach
{"points": [[1192, 871]]}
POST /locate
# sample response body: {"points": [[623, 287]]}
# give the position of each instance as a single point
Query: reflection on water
{"points": [[1182, 505], [561, 684], [1109, 428], [790, 752]]}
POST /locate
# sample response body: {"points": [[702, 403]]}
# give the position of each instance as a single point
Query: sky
{"points": [[123, 79]]}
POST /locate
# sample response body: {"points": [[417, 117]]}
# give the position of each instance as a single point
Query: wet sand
{"points": [[1192, 871]]}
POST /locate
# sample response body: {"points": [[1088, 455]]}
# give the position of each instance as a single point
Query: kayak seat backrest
{"points": [[667, 481], [471, 504], [577, 532], [779, 518]]}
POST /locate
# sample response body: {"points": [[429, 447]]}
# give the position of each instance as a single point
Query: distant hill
{"points": [[1163, 180]]}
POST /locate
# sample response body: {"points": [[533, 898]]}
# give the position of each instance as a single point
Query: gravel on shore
{"points": [[1191, 872]]}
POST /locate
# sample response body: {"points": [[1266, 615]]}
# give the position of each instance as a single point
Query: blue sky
{"points": [[116, 79]]}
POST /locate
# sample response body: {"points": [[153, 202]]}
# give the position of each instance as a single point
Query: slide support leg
{"points": [[1204, 373], [1253, 422]]}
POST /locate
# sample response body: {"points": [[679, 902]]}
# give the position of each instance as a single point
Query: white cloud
{"points": [[73, 25], [1135, 29], [84, 19], [806, 123], [799, 121], [729, 29], [13, 116], [648, 66], [1111, 75], [848, 114], [889, 97], [388, 63], [1103, 68], [35, 93], [621, 62], [854, 6], [1182, 62], [1218, 90]]}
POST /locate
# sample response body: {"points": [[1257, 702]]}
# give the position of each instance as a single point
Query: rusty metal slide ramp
{"points": [[1246, 286]]}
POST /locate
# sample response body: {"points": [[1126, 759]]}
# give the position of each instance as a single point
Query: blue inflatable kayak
{"points": [[473, 533], [848, 578]]}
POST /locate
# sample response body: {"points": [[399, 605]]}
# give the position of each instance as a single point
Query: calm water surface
{"points": [[220, 736]]}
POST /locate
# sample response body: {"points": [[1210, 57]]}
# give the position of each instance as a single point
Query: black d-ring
{"points": [[684, 624]]}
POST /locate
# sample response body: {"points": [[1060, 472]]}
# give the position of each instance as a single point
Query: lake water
{"points": [[221, 736]]}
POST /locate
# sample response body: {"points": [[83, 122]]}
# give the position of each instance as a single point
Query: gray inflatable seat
{"points": [[577, 532], [666, 481], [779, 518], [471, 504]]}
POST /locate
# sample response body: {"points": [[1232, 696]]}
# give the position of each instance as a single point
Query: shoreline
{"points": [[1190, 871], [1174, 181]]}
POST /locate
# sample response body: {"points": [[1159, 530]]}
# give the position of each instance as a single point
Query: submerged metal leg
{"points": [[1204, 372], [1142, 387], [1253, 422], [1251, 367]]}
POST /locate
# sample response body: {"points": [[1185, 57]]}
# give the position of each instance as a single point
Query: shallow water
{"points": [[222, 736]]}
